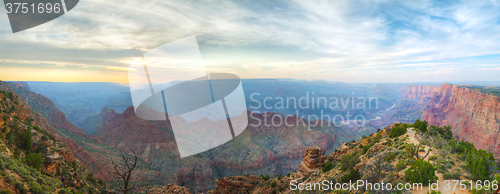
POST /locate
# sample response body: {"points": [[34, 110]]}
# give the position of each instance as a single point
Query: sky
{"points": [[347, 41]]}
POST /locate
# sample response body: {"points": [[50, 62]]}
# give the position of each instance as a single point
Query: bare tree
{"points": [[125, 174], [414, 149], [378, 167]]}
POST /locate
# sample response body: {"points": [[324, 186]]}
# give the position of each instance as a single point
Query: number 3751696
{"points": [[478, 185], [33, 7]]}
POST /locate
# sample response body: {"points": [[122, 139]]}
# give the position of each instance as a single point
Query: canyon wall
{"points": [[419, 93], [473, 116]]}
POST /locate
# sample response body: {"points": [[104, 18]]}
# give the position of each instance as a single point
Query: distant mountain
{"points": [[78, 100]]}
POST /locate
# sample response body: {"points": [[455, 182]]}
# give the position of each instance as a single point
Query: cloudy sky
{"points": [[349, 41]]}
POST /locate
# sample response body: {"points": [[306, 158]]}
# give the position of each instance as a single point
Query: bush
{"points": [[273, 184], [37, 189], [433, 157], [352, 176], [454, 176], [397, 131], [421, 172], [34, 160], [349, 161], [20, 187], [327, 166], [24, 140], [390, 157], [9, 179], [400, 165], [40, 181], [2, 191]]}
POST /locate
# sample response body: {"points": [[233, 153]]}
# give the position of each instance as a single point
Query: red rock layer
{"points": [[473, 116]]}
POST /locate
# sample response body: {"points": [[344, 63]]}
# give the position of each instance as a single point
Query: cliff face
{"points": [[474, 116], [419, 92]]}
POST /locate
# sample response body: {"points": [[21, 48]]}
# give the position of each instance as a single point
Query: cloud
{"points": [[302, 39]]}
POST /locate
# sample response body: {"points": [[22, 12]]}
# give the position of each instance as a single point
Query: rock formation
{"points": [[313, 161], [236, 184], [170, 189]]}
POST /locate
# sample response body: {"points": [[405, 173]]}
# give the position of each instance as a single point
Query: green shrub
{"points": [[352, 176], [24, 139], [349, 161], [20, 187], [390, 157], [397, 131], [37, 189], [433, 157], [2, 191], [400, 165], [34, 160], [40, 181], [327, 166], [9, 179], [421, 172], [450, 175]]}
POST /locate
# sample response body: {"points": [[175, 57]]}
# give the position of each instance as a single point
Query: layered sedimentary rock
{"points": [[419, 92], [472, 115], [313, 161]]}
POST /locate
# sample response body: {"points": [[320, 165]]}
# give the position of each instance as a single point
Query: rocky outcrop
{"points": [[472, 115], [342, 150], [236, 184], [313, 161], [170, 189]]}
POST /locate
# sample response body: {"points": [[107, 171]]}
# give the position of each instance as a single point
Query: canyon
{"points": [[260, 149]]}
